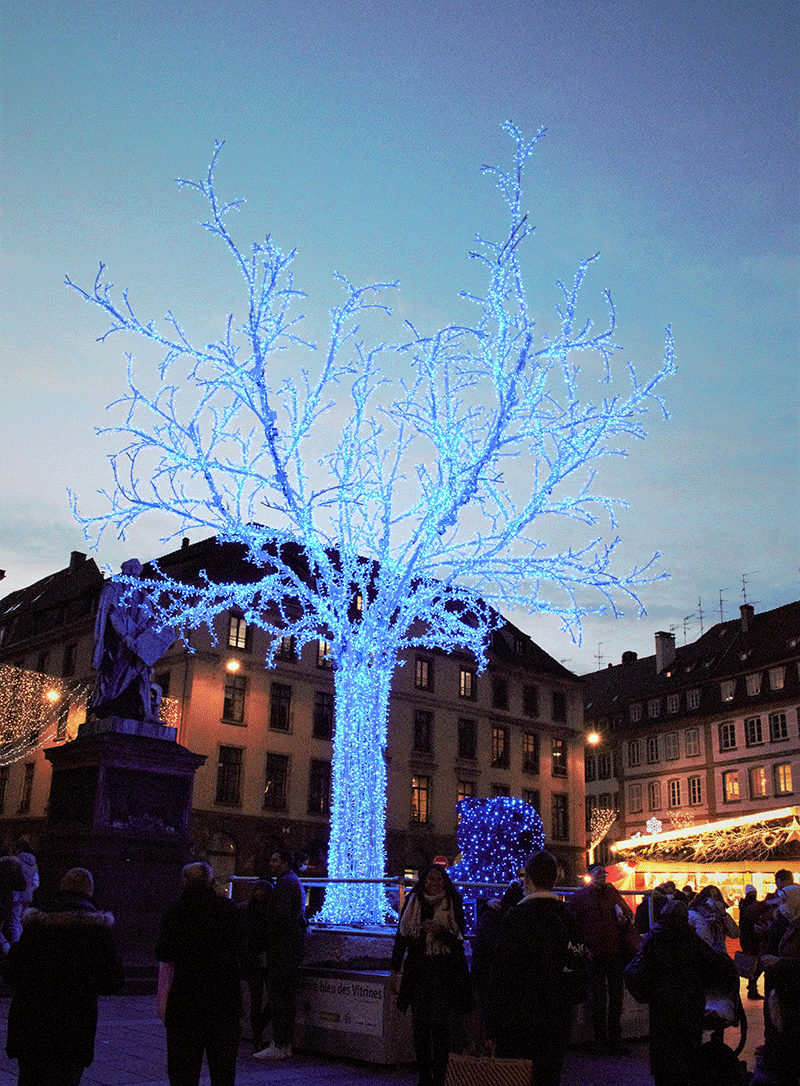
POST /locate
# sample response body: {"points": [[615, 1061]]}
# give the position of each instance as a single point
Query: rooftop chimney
{"points": [[76, 558], [747, 616], [185, 543], [665, 650], [630, 657]]}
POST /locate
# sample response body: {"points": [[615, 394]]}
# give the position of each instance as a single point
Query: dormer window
{"points": [[754, 684], [727, 689]]}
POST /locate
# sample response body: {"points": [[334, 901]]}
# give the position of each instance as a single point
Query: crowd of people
{"points": [[534, 958]]}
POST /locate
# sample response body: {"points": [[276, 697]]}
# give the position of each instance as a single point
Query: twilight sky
{"points": [[356, 131]]}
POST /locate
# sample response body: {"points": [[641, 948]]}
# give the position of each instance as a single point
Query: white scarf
{"points": [[443, 915]]}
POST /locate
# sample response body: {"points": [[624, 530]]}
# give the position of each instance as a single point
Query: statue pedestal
{"points": [[120, 805]]}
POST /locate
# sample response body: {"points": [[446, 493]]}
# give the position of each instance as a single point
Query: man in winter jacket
{"points": [[64, 959], [537, 975], [200, 951], [603, 916]]}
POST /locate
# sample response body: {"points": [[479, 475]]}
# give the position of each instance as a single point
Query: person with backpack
{"points": [[538, 974]]}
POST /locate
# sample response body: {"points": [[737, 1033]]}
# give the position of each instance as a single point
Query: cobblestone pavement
{"points": [[131, 1051]]}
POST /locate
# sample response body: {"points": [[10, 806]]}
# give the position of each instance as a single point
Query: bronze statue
{"points": [[128, 642]]}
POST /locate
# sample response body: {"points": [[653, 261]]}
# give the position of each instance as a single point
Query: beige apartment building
{"points": [[516, 729]]}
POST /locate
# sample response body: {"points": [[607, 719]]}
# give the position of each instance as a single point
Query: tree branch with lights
{"points": [[423, 506]]}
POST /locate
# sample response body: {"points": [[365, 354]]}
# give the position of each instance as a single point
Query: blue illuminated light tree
{"points": [[416, 521]]}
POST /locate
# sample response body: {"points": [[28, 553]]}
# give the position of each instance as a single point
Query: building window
{"points": [[691, 742], [673, 703], [730, 786], [499, 746], [162, 681], [754, 684], [635, 799], [530, 700], [466, 739], [324, 658], [692, 699], [753, 734], [43, 663], [727, 689], [420, 793], [695, 790], [590, 804], [465, 789], [276, 781], [519, 646], [589, 767], [3, 787], [559, 705], [758, 782], [674, 793], [499, 790], [634, 753], [560, 820], [783, 779], [467, 683], [531, 796], [323, 715], [605, 801], [423, 727], [280, 705], [319, 787], [604, 766], [500, 692], [635, 712], [654, 708], [651, 745], [27, 788], [530, 752], [70, 659], [238, 633], [233, 705], [559, 757], [778, 728], [229, 776], [777, 678], [727, 736], [423, 673], [654, 795], [285, 649], [671, 746]]}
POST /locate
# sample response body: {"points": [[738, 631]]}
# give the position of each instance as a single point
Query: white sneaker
{"points": [[272, 1052]]}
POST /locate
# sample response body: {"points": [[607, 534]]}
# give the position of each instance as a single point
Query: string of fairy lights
{"points": [[37, 709], [743, 838]]}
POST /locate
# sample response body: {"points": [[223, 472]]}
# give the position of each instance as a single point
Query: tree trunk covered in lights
{"points": [[424, 494], [357, 848]]}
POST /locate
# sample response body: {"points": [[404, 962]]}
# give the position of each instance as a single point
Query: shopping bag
{"points": [[464, 1070]]}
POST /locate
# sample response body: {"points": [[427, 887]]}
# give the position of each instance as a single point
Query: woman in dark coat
{"points": [[63, 960], [435, 981], [672, 972]]}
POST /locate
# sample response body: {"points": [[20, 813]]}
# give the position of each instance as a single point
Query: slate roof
{"points": [[726, 651]]}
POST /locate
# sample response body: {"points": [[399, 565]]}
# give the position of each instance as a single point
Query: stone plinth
{"points": [[120, 805]]}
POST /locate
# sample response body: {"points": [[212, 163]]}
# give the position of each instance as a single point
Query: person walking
{"points": [[603, 918], [435, 982], [285, 937], [63, 960], [709, 916], [200, 952], [538, 974], [671, 973]]}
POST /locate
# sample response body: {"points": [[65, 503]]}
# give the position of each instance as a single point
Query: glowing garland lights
{"points": [[752, 837], [428, 435], [495, 837], [37, 709]]}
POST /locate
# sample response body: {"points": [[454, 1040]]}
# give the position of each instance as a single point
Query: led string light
{"points": [[408, 505]]}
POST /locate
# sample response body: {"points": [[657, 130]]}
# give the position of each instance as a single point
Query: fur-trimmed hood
{"points": [[67, 910]]}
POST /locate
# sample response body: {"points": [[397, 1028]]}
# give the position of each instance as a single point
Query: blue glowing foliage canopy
{"points": [[495, 838], [390, 468]]}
